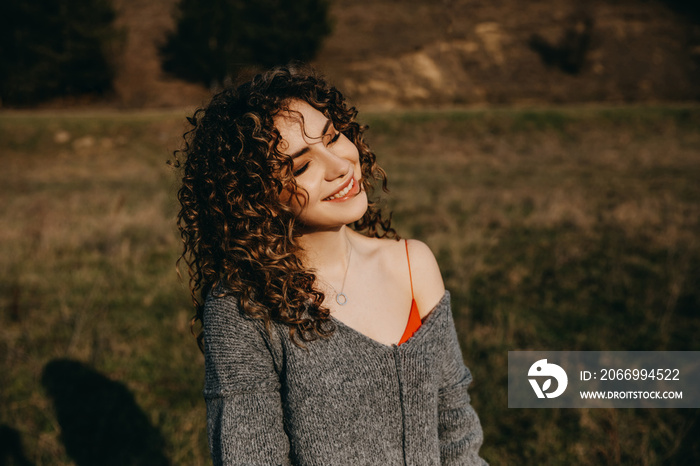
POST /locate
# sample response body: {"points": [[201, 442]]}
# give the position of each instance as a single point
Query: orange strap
{"points": [[414, 321], [409, 267]]}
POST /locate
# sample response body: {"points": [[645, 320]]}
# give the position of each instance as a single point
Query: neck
{"points": [[326, 251]]}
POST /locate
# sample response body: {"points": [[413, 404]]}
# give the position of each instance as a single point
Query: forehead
{"points": [[299, 125]]}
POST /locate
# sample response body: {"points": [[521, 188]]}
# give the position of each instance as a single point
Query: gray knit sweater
{"points": [[344, 400]]}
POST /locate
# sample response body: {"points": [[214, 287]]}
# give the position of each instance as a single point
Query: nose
{"points": [[336, 166]]}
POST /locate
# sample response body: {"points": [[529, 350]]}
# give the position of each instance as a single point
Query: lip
{"points": [[354, 191]]}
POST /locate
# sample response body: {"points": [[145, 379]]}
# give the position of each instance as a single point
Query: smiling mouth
{"points": [[350, 188]]}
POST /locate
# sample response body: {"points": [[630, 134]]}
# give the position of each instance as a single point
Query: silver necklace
{"points": [[341, 298]]}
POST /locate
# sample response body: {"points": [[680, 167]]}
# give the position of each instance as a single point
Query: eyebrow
{"points": [[303, 151]]}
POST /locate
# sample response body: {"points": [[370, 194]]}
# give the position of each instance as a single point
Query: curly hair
{"points": [[239, 236]]}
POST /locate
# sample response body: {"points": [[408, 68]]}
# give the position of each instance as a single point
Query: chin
{"points": [[360, 210], [351, 212]]}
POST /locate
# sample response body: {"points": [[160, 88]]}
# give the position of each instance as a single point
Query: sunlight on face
{"points": [[326, 168]]}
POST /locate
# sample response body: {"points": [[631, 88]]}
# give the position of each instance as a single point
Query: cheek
{"points": [[356, 158], [355, 152]]}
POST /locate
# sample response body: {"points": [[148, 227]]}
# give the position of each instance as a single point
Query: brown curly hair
{"points": [[239, 236]]}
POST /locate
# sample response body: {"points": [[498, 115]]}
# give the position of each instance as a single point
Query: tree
{"points": [[214, 40], [55, 48]]}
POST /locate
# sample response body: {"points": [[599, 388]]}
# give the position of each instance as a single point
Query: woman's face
{"points": [[326, 168]]}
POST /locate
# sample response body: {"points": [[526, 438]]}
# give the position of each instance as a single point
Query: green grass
{"points": [[556, 229]]}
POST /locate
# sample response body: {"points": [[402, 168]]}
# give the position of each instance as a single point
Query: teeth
{"points": [[342, 193]]}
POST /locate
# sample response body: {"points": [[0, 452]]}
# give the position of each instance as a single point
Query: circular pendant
{"points": [[341, 299]]}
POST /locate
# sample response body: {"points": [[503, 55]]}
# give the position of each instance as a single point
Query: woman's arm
{"points": [[428, 286], [242, 389], [459, 429]]}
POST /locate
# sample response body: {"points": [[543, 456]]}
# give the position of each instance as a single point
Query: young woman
{"points": [[324, 344]]}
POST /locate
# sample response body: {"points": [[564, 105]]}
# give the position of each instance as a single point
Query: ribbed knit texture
{"points": [[344, 400]]}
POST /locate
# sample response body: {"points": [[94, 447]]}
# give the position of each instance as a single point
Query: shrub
{"points": [[52, 49], [213, 41]]}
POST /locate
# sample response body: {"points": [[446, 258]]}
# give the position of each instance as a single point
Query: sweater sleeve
{"points": [[242, 389], [459, 429]]}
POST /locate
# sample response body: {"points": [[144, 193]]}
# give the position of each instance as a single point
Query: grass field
{"points": [[557, 229]]}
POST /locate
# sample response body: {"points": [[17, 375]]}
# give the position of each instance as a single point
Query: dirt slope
{"points": [[393, 53]]}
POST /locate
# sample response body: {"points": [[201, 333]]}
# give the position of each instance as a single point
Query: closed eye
{"points": [[333, 134], [301, 169]]}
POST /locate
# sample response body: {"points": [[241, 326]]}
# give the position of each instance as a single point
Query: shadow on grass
{"points": [[100, 420]]}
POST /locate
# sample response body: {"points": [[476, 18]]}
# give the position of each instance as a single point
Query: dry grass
{"points": [[88, 248], [560, 229]]}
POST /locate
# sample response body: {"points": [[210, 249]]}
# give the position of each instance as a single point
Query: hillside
{"points": [[414, 53]]}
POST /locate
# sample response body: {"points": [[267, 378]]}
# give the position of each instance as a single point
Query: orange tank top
{"points": [[414, 321]]}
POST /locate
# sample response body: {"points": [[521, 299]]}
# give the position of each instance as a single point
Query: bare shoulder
{"points": [[428, 286], [390, 258]]}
